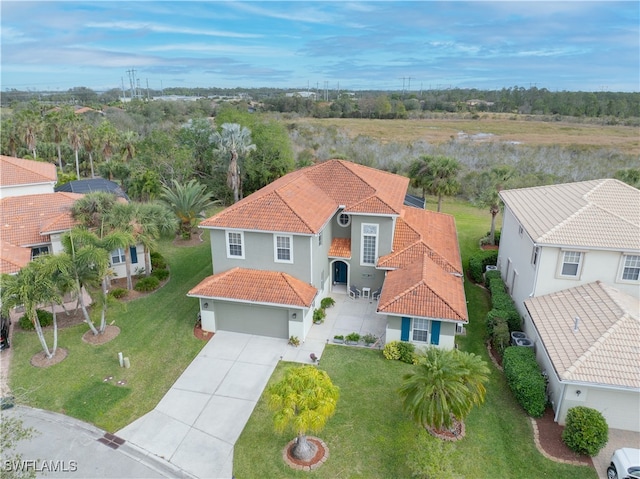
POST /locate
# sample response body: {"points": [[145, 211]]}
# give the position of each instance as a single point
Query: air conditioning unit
{"points": [[490, 267], [459, 328], [524, 342], [515, 335]]}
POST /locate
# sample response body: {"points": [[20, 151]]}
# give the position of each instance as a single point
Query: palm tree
{"points": [[120, 218], [436, 175], [188, 202], [154, 220], [9, 137], [75, 132], [56, 123], [88, 143], [443, 387], [128, 145], [107, 139], [91, 210], [304, 399], [30, 288], [496, 179], [30, 124], [234, 140]]}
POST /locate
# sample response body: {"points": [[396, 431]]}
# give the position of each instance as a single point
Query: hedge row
{"points": [[502, 306], [479, 261], [525, 379]]}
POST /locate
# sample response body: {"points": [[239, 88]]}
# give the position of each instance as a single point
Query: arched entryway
{"points": [[339, 276]]}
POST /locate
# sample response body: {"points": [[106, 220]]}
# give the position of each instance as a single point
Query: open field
{"points": [[489, 128]]}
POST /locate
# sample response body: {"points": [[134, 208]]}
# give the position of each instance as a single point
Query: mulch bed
{"points": [[199, 333], [110, 333], [456, 433], [321, 455], [40, 359], [196, 239]]}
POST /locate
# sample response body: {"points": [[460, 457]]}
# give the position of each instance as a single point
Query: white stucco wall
{"points": [[29, 189]]}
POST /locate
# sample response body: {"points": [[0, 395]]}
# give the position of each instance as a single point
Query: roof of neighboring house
{"points": [[92, 185], [256, 286], [17, 171], [304, 200], [419, 232], [425, 290], [598, 213], [13, 258], [604, 347], [25, 220]]}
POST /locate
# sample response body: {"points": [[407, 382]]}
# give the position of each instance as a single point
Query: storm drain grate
{"points": [[114, 442]]}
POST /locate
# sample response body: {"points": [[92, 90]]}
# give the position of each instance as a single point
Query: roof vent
{"points": [[576, 324]]}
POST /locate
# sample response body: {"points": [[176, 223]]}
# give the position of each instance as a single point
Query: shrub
{"points": [[500, 336], [157, 261], [586, 430], [161, 274], [406, 352], [327, 302], [118, 293], [502, 304], [525, 379], [45, 317], [479, 261], [319, 315], [489, 275], [353, 337], [391, 350], [369, 338], [147, 284]]}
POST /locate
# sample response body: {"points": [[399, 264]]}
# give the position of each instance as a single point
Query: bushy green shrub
{"points": [[327, 302], [407, 352], [118, 293], [147, 284], [353, 337], [479, 261], [161, 274], [525, 379], [391, 350], [318, 315], [157, 261], [45, 317], [586, 430], [490, 275], [500, 336], [502, 305]]}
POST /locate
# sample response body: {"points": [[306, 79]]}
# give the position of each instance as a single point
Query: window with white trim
{"points": [[117, 256], [631, 268], [235, 244], [369, 244], [420, 329], [571, 263], [38, 250], [283, 249]]}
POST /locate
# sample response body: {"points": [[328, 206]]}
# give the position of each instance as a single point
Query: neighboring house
{"points": [[570, 258], [34, 217], [326, 228]]}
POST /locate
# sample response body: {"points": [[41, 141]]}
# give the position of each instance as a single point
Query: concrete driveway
{"points": [[198, 421]]}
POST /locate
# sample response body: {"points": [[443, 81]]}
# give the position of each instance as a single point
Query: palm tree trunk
{"points": [[87, 318], [103, 313], [59, 158], [43, 342], [77, 165], [439, 203], [147, 262], [303, 449], [492, 234], [55, 330], [93, 175]]}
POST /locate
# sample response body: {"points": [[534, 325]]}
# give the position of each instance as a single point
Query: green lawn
{"points": [[369, 436], [156, 334]]}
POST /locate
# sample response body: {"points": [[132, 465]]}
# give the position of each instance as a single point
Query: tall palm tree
{"points": [[436, 175], [88, 144], [56, 123], [128, 145], [443, 386], [233, 140], [496, 179], [107, 139], [75, 133], [304, 400], [121, 218], [30, 288], [9, 137], [30, 124], [91, 210], [188, 202]]}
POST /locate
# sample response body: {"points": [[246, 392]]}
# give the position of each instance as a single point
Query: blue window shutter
{"points": [[435, 332], [406, 327], [134, 254]]}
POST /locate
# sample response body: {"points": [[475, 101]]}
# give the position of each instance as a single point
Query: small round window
{"points": [[344, 219]]}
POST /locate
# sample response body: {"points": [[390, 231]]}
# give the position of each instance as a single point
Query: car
{"points": [[625, 464]]}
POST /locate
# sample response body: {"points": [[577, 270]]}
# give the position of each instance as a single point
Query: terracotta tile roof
{"points": [[425, 290], [340, 248], [16, 171], [23, 219], [13, 258], [419, 232], [599, 213], [256, 286], [604, 348], [304, 200]]}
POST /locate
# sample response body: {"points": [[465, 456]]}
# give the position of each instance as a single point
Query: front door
{"points": [[340, 272]]}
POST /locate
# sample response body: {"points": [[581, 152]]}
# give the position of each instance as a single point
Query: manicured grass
{"points": [[156, 334], [369, 436]]}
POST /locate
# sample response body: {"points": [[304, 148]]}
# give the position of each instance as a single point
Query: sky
{"points": [[346, 45]]}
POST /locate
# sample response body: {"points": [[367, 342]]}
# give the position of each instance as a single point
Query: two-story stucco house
{"points": [[326, 228], [570, 258], [34, 217]]}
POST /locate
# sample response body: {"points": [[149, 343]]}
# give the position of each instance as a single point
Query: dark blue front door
{"points": [[340, 272]]}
